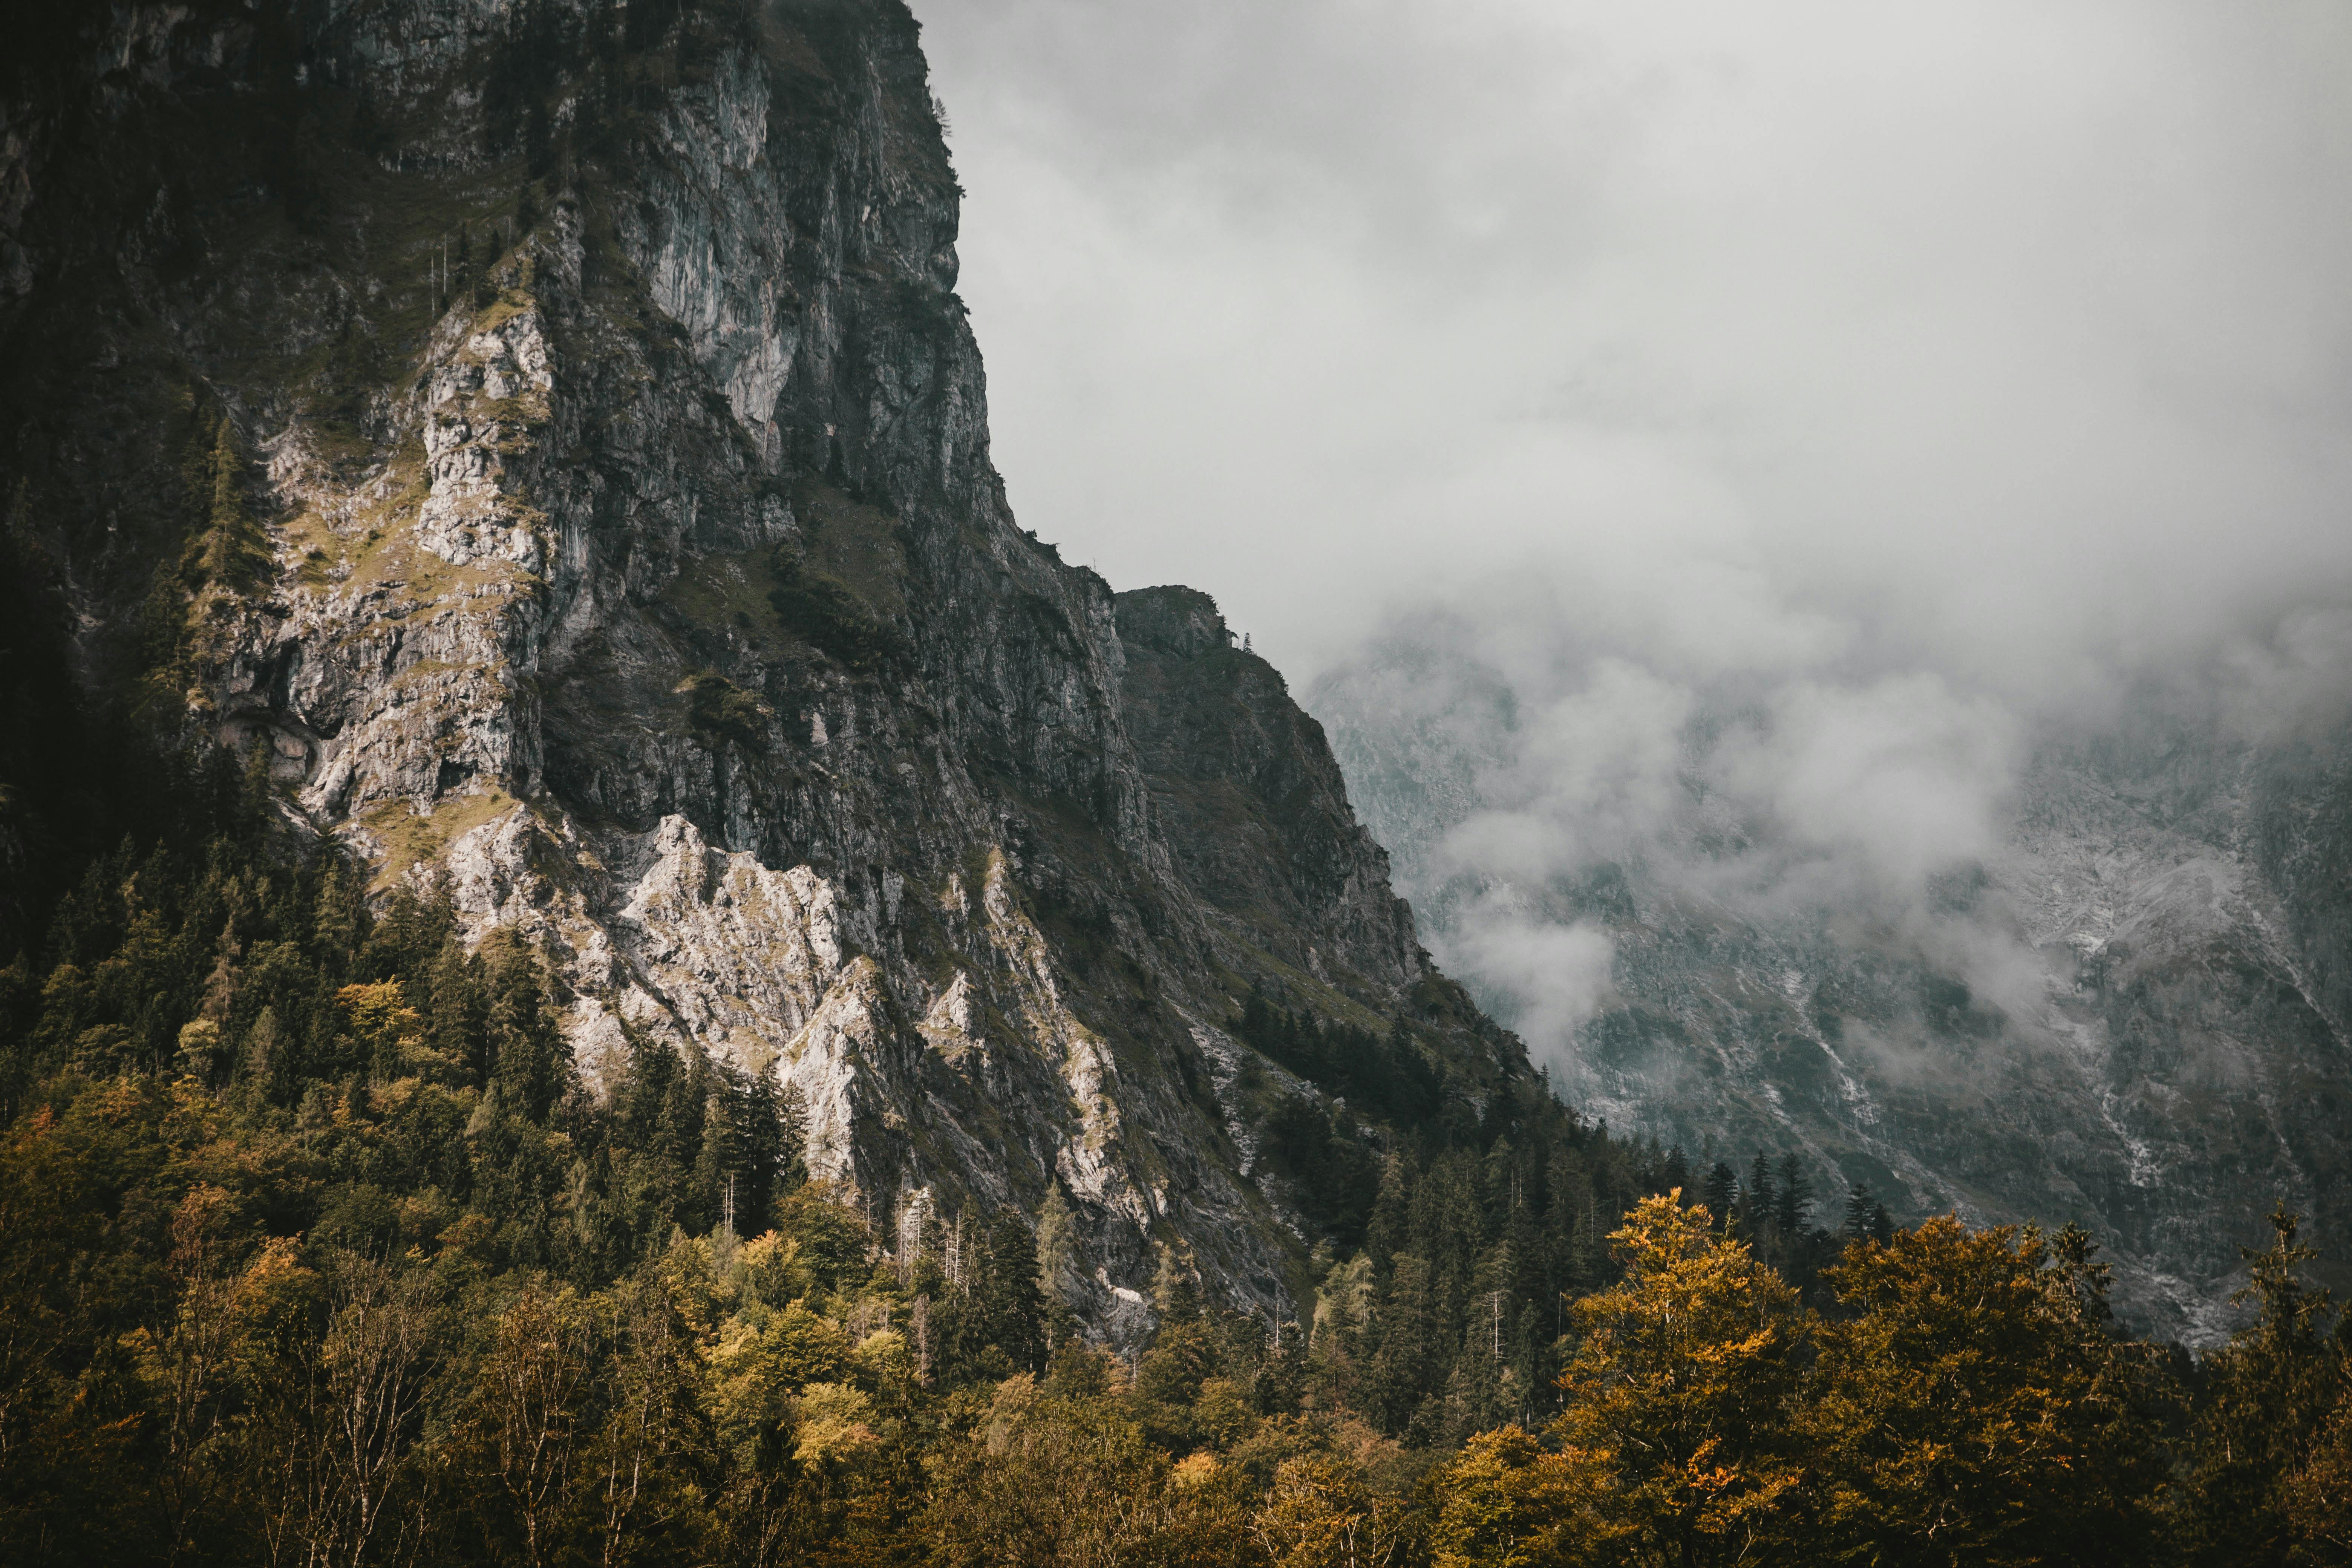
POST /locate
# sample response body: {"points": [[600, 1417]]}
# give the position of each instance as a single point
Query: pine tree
{"points": [[1412, 1350], [1857, 1212], [258, 797], [1385, 1232], [2273, 1388], [1721, 1194], [455, 1023], [791, 1121], [461, 267], [230, 536], [263, 1066], [1760, 1206], [341, 919], [1011, 1306], [697, 1198], [1794, 1197], [528, 1057]]}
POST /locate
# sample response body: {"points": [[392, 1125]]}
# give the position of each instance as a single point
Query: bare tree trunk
{"points": [[196, 1355], [345, 1426], [531, 1385], [644, 1427]]}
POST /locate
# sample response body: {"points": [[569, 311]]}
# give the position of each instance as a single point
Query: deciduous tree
{"points": [[1675, 1430], [1974, 1409]]}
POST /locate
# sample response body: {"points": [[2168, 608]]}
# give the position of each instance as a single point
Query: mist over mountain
{"points": [[1761, 499], [2003, 343], [2053, 972]]}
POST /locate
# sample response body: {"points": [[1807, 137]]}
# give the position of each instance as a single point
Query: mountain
{"points": [[2133, 1013], [548, 436]]}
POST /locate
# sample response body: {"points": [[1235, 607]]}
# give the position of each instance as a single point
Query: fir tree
{"points": [[1721, 1194], [1794, 1198], [1759, 1205], [231, 538]]}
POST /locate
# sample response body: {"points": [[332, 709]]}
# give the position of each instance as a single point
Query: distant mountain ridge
{"points": [[2168, 1060]]}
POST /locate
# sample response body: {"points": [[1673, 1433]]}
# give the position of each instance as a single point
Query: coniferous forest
{"points": [[315, 1247]]}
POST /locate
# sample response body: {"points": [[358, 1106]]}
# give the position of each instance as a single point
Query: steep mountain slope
{"points": [[2132, 1016], [551, 433]]}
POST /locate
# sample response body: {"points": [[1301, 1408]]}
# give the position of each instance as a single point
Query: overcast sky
{"points": [[2008, 342]]}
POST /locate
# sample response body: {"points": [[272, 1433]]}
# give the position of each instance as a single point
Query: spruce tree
{"points": [[1720, 1193], [766, 1146], [1385, 1232], [1760, 1205], [1011, 1306], [2274, 1387], [1794, 1197], [459, 1011], [1857, 1212], [527, 1051], [257, 799], [229, 532], [342, 916]]}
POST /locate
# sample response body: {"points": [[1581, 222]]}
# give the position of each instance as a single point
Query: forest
{"points": [[316, 1247]]}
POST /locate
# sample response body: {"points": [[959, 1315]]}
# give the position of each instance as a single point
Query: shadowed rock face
{"points": [[2132, 1014], [629, 558], [1255, 810]]}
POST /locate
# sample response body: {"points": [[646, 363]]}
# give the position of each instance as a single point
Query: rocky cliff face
{"points": [[617, 545], [2133, 1016]]}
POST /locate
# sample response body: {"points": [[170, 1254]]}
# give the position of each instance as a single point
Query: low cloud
{"points": [[1718, 439], [2004, 342], [1899, 777], [1762, 798], [1593, 772], [1552, 978]]}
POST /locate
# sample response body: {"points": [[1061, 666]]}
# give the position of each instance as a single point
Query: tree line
{"points": [[1968, 1400], [315, 1244]]}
